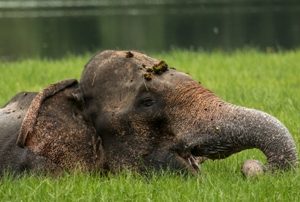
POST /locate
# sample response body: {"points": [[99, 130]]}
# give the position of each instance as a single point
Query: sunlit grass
{"points": [[212, 185], [266, 81]]}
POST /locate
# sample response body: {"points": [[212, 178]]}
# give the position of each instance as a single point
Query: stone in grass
{"points": [[252, 168]]}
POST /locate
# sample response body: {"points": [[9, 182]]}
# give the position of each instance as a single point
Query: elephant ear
{"points": [[54, 127]]}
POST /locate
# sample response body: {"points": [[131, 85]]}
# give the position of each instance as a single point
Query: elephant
{"points": [[132, 112]]}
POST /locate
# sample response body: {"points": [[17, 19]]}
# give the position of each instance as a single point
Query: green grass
{"points": [[266, 81]]}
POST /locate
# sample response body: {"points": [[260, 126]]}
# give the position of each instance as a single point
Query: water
{"points": [[52, 29]]}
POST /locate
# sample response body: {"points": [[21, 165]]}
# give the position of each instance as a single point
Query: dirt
{"points": [[160, 68], [129, 54], [156, 69], [149, 70], [148, 76]]}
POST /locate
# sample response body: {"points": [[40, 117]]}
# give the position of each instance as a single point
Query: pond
{"points": [[52, 29]]}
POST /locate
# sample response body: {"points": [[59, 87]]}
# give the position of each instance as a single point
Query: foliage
{"points": [[266, 81]]}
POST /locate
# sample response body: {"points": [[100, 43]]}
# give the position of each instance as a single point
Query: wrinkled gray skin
{"points": [[13, 157], [148, 120]]}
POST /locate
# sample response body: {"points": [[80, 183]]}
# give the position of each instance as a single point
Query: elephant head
{"points": [[149, 114], [131, 111]]}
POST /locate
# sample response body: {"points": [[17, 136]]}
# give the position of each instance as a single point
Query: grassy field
{"points": [[266, 81]]}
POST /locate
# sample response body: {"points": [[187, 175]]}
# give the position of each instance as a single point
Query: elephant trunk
{"points": [[233, 129]]}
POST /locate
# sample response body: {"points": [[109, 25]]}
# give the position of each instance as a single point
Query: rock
{"points": [[252, 168]]}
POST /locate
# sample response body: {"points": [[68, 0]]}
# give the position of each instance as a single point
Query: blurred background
{"points": [[55, 28]]}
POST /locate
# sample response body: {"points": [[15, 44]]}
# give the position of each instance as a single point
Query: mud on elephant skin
{"points": [[131, 111]]}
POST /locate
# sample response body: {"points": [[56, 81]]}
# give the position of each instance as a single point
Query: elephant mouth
{"points": [[174, 159], [193, 162], [191, 159]]}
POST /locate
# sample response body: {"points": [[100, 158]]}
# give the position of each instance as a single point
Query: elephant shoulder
{"points": [[12, 157], [22, 99], [17, 160], [12, 115]]}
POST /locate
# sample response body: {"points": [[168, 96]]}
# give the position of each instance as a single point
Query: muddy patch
{"points": [[129, 54], [156, 69]]}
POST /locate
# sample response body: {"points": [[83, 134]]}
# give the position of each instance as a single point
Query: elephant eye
{"points": [[147, 102]]}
